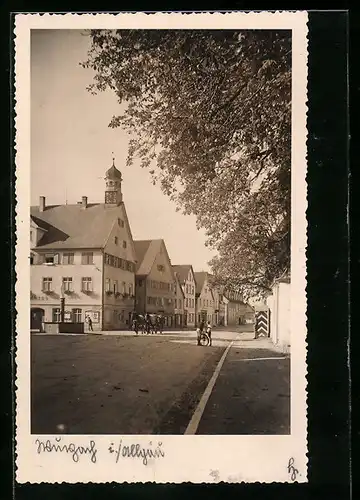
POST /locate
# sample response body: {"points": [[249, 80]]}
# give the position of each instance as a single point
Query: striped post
{"points": [[262, 324]]}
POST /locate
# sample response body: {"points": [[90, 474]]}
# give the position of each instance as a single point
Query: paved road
{"points": [[121, 384]]}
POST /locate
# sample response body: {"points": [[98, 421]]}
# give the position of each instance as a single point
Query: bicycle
{"points": [[203, 338]]}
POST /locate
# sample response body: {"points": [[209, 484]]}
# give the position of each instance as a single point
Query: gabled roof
{"points": [[179, 283], [183, 271], [200, 278], [141, 248], [40, 223], [146, 252], [72, 226]]}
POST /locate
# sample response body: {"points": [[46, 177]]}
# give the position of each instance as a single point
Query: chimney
{"points": [[42, 203], [84, 201]]}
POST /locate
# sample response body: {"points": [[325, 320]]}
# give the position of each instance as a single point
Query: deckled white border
{"points": [[188, 458]]}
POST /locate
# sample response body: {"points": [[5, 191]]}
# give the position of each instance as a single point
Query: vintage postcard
{"points": [[161, 247]]}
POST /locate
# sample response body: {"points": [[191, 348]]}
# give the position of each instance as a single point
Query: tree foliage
{"points": [[212, 111]]}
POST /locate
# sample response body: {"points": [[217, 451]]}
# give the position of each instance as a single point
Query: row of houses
{"points": [[86, 264]]}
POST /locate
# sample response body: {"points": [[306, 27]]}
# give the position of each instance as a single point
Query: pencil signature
{"points": [[291, 469]]}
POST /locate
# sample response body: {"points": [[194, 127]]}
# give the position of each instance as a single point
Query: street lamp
{"points": [[62, 304]]}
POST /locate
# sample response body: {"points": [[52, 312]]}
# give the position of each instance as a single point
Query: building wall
{"points": [[140, 294], [205, 305], [156, 292], [189, 290], [36, 233], [239, 313], [119, 283], [279, 304], [75, 300], [179, 301], [119, 297], [219, 306]]}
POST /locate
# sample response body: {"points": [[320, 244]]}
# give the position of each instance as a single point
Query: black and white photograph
{"points": [[161, 282]]}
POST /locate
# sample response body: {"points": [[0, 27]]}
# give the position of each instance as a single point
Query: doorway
{"points": [[36, 318]]}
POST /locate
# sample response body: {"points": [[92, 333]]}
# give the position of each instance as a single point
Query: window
{"points": [[130, 289], [31, 236], [67, 284], [124, 244], [56, 315], [31, 259], [161, 268], [87, 258], [76, 315], [86, 284], [116, 240], [120, 222], [123, 287], [47, 284], [179, 303], [116, 286], [186, 302], [68, 258], [51, 258], [107, 285]]}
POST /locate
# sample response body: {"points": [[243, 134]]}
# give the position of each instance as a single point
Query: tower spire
{"points": [[113, 178]]}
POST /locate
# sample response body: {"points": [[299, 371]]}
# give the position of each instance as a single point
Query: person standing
{"points": [[208, 331], [200, 330], [90, 324]]}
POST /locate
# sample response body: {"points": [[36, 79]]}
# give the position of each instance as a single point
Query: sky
{"points": [[72, 147]]}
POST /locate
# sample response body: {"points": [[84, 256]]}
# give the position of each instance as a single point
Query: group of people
{"points": [[154, 323], [147, 323]]}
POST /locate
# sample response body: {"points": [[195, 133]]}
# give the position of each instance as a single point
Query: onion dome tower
{"points": [[113, 179]]}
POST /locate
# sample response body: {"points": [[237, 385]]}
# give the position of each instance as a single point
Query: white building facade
{"points": [[83, 262]]}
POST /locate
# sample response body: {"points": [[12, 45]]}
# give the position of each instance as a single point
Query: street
{"points": [[122, 384]]}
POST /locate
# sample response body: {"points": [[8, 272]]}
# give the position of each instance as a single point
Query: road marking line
{"points": [[258, 359], [195, 419]]}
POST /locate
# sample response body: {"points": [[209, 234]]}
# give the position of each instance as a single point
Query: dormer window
{"points": [[51, 258]]}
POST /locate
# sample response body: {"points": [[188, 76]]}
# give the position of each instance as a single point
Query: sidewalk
{"points": [[252, 392], [247, 339]]}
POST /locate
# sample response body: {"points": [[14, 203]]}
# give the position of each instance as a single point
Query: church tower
{"points": [[113, 179]]}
